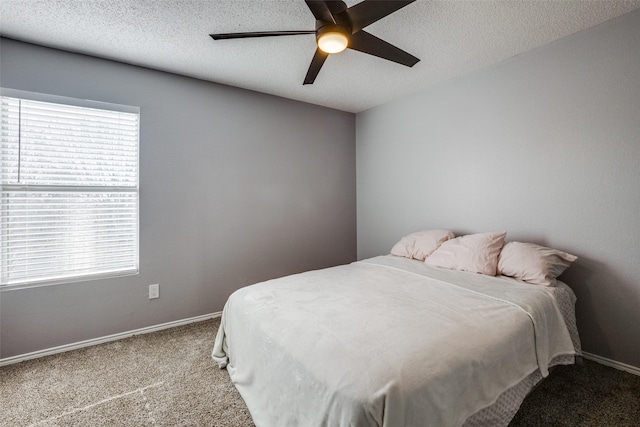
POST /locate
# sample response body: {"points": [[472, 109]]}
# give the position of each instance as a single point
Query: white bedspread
{"points": [[384, 342]]}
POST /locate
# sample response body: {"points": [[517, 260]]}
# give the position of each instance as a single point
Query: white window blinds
{"points": [[69, 202]]}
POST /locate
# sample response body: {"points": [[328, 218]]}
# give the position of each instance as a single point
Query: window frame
{"points": [[63, 100]]}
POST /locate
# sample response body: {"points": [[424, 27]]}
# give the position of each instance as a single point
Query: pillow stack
{"points": [[485, 253]]}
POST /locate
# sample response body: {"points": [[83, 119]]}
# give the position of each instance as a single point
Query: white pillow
{"points": [[420, 244], [533, 263], [477, 253]]}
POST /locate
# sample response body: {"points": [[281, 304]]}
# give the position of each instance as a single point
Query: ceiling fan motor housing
{"points": [[323, 28]]}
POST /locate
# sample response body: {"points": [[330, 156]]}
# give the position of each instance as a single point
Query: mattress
{"points": [[390, 341]]}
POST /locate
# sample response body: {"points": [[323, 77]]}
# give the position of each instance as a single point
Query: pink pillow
{"points": [[477, 253], [533, 263], [420, 244]]}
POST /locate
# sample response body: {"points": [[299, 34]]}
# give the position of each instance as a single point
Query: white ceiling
{"points": [[451, 38]]}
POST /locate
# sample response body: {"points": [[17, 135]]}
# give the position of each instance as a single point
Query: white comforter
{"points": [[384, 342]]}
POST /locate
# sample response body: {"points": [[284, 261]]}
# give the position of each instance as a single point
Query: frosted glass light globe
{"points": [[332, 42]]}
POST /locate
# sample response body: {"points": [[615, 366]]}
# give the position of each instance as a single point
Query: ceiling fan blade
{"points": [[226, 36], [369, 11], [316, 63], [320, 10], [368, 43]]}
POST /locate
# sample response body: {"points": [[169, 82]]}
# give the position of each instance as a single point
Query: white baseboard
{"points": [[612, 363], [108, 338]]}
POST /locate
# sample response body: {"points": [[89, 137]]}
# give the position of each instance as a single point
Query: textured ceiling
{"points": [[451, 38]]}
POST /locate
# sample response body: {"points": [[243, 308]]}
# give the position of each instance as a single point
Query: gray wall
{"points": [[235, 187], [545, 146]]}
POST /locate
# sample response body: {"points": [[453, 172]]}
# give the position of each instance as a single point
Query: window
{"points": [[69, 189]]}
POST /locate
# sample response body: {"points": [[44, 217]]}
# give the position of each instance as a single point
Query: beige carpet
{"points": [[167, 378]]}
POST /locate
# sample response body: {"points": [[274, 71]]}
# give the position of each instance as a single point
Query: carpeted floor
{"points": [[167, 378], [591, 395]]}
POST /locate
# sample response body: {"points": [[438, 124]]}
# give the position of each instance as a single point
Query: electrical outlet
{"points": [[154, 291]]}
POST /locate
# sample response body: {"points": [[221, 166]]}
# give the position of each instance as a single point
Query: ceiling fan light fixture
{"points": [[332, 40], [339, 27]]}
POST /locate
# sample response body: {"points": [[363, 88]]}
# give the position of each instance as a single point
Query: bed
{"points": [[391, 341]]}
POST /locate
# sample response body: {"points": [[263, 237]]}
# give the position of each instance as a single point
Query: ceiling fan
{"points": [[339, 28]]}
